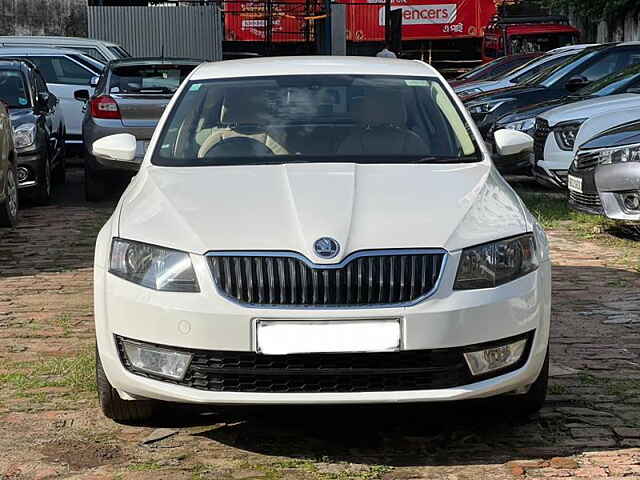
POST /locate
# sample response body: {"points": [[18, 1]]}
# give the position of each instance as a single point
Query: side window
{"points": [[606, 65], [62, 70], [41, 85]]}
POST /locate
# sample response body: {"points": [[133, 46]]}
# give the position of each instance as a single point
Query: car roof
{"points": [[133, 61], [55, 39], [312, 65], [17, 51]]}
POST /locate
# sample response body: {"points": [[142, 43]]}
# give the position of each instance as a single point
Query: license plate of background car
{"points": [[575, 184], [282, 337]]}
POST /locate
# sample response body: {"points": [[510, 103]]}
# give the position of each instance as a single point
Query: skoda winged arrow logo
{"points": [[326, 247]]}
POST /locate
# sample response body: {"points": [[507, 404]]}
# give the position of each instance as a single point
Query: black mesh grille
{"points": [[586, 201], [289, 281], [227, 371], [540, 135], [586, 161]]}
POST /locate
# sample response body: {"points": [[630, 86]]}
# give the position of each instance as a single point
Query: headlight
{"points": [[482, 108], [521, 125], [628, 153], [566, 134], [496, 263], [153, 267], [24, 135]]}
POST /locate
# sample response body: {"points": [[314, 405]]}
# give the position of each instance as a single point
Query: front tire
{"points": [[532, 401], [9, 207], [114, 407]]}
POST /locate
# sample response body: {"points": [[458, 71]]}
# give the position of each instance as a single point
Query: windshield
{"points": [[537, 66], [148, 78], [13, 89], [539, 42], [613, 83], [315, 118]]}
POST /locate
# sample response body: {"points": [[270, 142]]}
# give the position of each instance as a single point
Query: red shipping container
{"points": [[421, 19]]}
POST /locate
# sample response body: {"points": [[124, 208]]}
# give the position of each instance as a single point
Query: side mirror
{"points": [[512, 142], [82, 95], [93, 83], [117, 151], [576, 83]]}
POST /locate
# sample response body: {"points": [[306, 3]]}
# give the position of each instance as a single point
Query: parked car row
{"points": [[573, 107]]}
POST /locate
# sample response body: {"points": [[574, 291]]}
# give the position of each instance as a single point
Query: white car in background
{"points": [[318, 230], [557, 131], [98, 49], [65, 71], [523, 73]]}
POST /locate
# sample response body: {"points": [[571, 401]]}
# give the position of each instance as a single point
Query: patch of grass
{"points": [[557, 389], [64, 322], [76, 373]]}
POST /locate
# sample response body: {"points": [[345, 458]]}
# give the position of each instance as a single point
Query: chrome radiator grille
{"points": [[540, 135], [586, 161], [365, 278]]}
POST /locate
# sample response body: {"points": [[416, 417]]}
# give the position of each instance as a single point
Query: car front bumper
{"points": [[31, 163], [552, 170], [207, 321]]}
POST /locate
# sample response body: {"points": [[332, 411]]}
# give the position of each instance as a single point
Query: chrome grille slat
{"points": [[586, 161], [289, 280]]}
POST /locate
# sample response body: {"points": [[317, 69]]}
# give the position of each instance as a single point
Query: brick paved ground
{"points": [[51, 426]]}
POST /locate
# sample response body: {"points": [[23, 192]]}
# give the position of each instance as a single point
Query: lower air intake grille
{"points": [[586, 201], [366, 278]]}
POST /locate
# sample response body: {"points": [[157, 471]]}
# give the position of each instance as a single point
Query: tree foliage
{"points": [[597, 9]]}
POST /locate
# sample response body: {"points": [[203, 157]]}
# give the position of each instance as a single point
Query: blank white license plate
{"points": [[278, 337], [575, 184]]}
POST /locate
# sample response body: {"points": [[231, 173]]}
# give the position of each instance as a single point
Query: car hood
{"points": [[604, 122], [532, 111], [591, 107], [21, 116], [616, 137], [506, 92], [288, 207]]}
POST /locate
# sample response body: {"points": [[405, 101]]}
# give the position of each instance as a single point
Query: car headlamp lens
{"points": [[566, 134], [496, 263], [628, 153], [525, 125], [24, 135], [153, 267], [483, 108]]}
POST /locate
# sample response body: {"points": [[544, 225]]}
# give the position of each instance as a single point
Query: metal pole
{"points": [[387, 23], [327, 28]]}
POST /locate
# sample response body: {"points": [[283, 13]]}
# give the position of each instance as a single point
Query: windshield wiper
{"points": [[436, 159]]}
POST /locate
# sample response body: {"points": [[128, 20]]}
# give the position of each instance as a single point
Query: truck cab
{"points": [[515, 35]]}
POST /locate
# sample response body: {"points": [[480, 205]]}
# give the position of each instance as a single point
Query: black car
{"points": [[494, 68], [604, 178], [588, 66], [38, 128], [524, 119]]}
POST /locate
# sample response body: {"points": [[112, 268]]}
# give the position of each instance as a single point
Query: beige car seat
{"points": [[383, 129], [246, 116]]}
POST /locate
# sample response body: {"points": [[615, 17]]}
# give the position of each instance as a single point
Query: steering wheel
{"points": [[239, 147]]}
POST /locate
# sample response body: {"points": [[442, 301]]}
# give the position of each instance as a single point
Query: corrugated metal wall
{"points": [[189, 31]]}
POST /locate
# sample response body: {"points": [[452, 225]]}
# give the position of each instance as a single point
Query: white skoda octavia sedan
{"points": [[318, 230]]}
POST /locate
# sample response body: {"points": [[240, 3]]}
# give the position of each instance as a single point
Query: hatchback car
{"points": [[38, 128], [604, 178], [318, 230], [130, 97], [64, 71]]}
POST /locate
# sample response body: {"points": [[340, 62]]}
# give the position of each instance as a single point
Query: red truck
{"points": [[452, 34]]}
